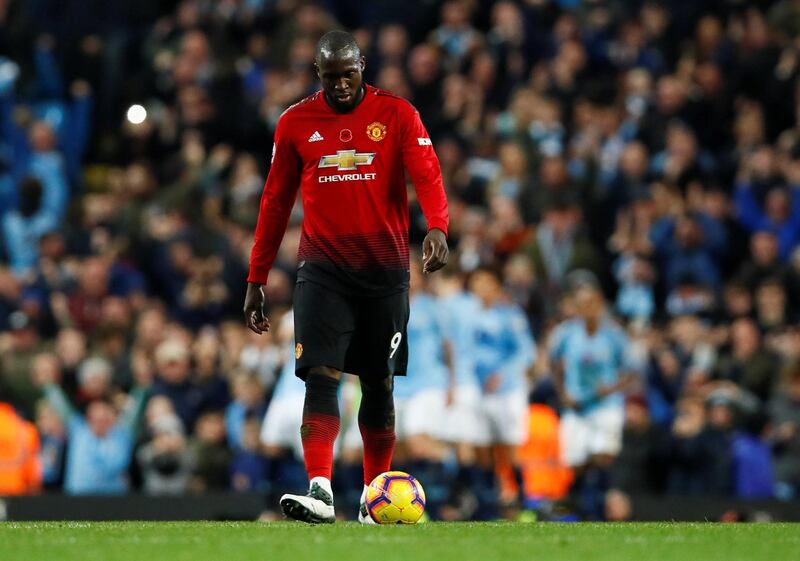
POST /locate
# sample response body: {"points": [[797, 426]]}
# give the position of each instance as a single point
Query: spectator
{"points": [[94, 381], [688, 246], [248, 402], [784, 414], [211, 453], [85, 304], [641, 464], [21, 349], [561, 245], [20, 469], [208, 378], [748, 364], [53, 445], [702, 460], [764, 262], [779, 215], [164, 460], [248, 466], [772, 309], [99, 445], [23, 228], [174, 380]]}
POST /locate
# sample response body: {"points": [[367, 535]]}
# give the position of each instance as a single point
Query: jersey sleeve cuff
{"points": [[439, 224], [258, 277]]}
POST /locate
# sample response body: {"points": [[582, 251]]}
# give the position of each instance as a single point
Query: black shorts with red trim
{"points": [[361, 334]]}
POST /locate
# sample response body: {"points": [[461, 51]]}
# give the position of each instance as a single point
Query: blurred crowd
{"points": [[652, 146]]}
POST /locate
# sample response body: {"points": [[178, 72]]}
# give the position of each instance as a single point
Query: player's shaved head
{"points": [[339, 65], [337, 44]]}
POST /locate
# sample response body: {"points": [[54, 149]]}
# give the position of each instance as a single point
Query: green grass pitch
{"points": [[245, 541]]}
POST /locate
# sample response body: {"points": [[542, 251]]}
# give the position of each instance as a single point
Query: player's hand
{"points": [[434, 251], [568, 403], [492, 383], [254, 316], [450, 397], [606, 390]]}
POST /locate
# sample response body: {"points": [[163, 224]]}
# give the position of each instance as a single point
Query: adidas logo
{"points": [[316, 137]]}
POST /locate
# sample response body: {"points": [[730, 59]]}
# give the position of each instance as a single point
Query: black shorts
{"points": [[361, 335]]}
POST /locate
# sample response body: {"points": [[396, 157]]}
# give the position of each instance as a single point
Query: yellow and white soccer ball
{"points": [[395, 497]]}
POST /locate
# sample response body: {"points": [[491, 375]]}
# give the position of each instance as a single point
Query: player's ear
{"points": [[316, 70], [362, 63]]}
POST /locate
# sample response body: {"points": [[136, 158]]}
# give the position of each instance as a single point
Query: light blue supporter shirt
{"points": [[591, 361], [460, 312], [97, 465], [426, 362], [289, 386], [503, 345]]}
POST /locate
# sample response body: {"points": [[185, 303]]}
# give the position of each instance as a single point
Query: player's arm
{"points": [[420, 160], [277, 201], [556, 357], [449, 362], [524, 353], [443, 326], [625, 365]]}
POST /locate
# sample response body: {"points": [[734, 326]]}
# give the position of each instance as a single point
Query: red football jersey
{"points": [[350, 170]]}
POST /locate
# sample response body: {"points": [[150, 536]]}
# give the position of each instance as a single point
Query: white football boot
{"points": [[363, 513], [315, 507]]}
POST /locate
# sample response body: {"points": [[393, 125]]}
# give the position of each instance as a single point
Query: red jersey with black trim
{"points": [[349, 168]]}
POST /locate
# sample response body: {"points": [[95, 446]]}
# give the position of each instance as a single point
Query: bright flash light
{"points": [[136, 114]]}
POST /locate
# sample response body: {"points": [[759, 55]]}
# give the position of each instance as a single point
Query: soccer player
{"points": [[591, 369], [346, 148], [504, 350], [280, 430], [460, 310], [421, 395]]}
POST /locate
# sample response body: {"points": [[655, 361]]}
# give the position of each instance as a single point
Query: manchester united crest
{"points": [[298, 351], [376, 131]]}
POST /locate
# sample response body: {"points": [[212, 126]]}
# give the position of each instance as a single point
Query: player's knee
{"points": [[377, 403], [325, 371], [381, 387], [321, 394]]}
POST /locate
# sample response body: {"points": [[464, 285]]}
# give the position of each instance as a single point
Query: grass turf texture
{"points": [[244, 541]]}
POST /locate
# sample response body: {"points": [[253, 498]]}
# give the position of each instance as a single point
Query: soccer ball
{"points": [[395, 497]]}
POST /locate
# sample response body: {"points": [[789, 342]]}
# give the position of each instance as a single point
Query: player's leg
{"points": [[349, 479], [425, 450], [423, 426], [324, 323], [486, 437], [576, 438], [463, 430], [280, 442], [318, 432], [377, 353], [604, 442], [401, 449], [512, 429], [376, 423]]}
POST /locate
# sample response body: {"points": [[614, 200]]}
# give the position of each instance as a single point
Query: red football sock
{"points": [[378, 450], [319, 432]]}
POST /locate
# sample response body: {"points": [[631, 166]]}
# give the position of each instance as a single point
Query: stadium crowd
{"points": [[632, 159]]}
